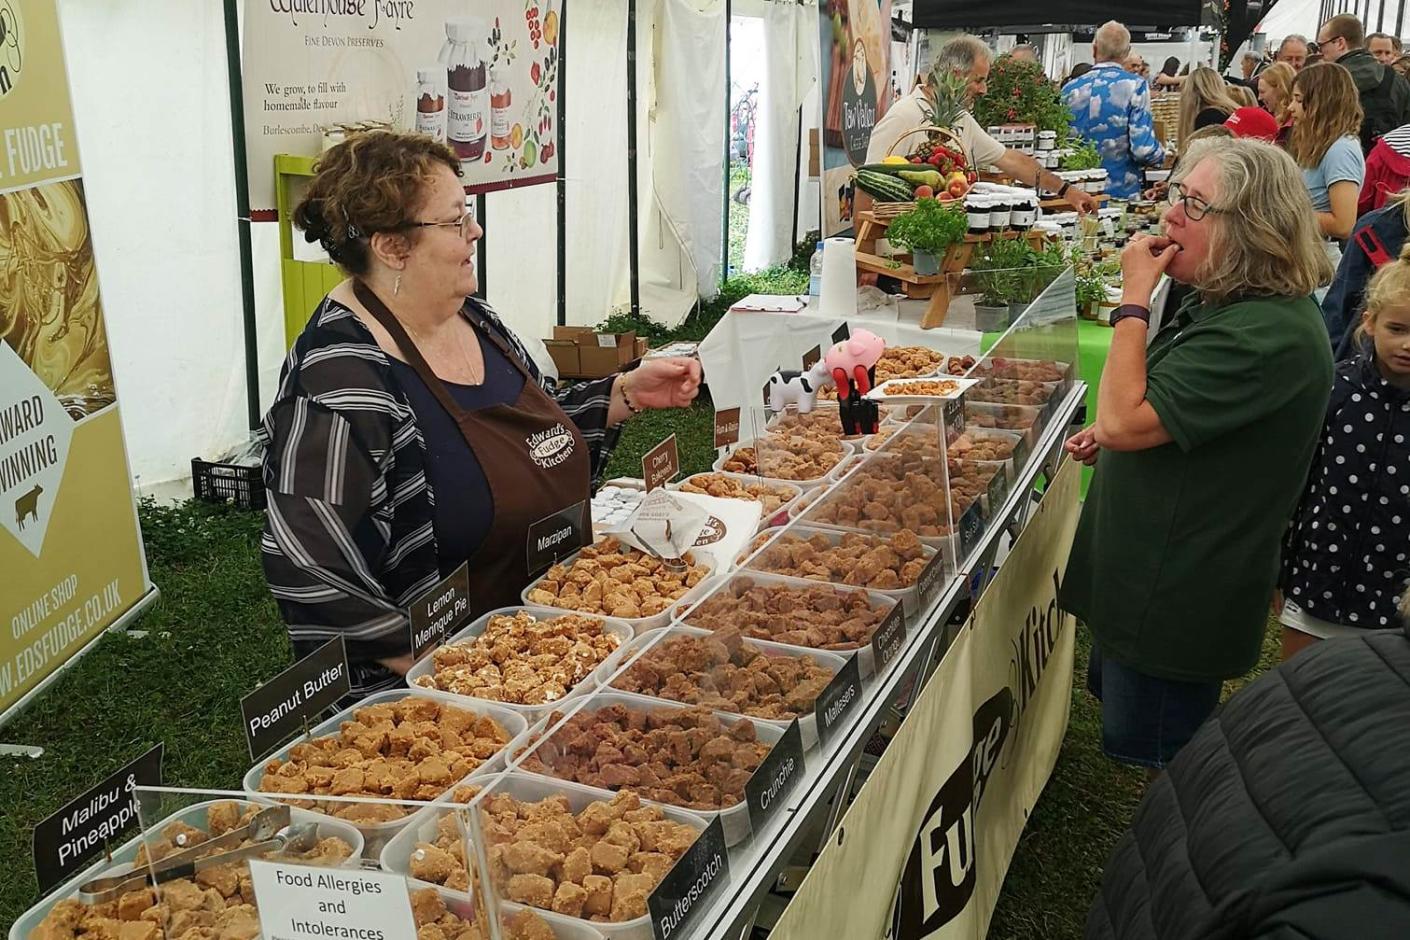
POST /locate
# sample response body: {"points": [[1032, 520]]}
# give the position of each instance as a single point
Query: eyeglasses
{"points": [[464, 224], [1195, 207]]}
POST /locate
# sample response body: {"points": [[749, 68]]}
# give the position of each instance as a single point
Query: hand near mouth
{"points": [[1143, 261]]}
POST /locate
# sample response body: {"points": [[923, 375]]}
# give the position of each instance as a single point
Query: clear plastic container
{"points": [[778, 516], [719, 464], [426, 666], [1027, 420], [638, 624]]}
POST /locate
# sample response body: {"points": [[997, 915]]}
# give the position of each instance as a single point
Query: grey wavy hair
{"points": [[1265, 241], [960, 55], [1293, 37], [1112, 42]]}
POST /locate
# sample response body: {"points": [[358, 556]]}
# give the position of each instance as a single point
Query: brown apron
{"points": [[532, 455]]}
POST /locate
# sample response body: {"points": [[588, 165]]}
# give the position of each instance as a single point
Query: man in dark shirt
{"points": [[1385, 96]]}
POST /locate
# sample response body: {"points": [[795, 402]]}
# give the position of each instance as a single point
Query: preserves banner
{"points": [[856, 90], [70, 549], [929, 838], [483, 77]]}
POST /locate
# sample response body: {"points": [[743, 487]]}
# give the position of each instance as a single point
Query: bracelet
{"points": [[626, 379]]}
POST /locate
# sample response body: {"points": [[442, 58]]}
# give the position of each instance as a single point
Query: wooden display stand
{"points": [[934, 287], [1064, 206]]}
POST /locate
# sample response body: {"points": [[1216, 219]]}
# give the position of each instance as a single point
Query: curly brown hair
{"points": [[1331, 109], [369, 183]]}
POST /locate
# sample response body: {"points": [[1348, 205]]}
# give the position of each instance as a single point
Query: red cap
{"points": [[1253, 122]]}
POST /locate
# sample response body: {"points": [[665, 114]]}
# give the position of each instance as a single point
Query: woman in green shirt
{"points": [[1202, 444]]}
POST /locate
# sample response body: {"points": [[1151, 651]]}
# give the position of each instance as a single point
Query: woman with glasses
{"points": [[1326, 118], [1201, 443], [412, 435]]}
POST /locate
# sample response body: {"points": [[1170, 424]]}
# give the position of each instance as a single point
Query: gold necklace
{"points": [[477, 374]]}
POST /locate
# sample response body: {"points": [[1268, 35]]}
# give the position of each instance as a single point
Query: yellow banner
{"points": [[923, 851], [71, 551]]}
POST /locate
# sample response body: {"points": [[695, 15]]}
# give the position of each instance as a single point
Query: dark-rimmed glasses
{"points": [[1195, 207]]}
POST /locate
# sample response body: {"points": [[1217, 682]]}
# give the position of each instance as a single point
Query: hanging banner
{"points": [[482, 77], [71, 551], [922, 853], [856, 90]]}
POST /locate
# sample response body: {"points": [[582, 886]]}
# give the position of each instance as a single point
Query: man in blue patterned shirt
{"points": [[1112, 109]]}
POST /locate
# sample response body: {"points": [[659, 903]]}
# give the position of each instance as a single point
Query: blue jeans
{"points": [[1145, 719]]}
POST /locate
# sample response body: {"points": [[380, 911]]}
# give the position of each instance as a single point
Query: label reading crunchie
{"points": [[777, 776]]}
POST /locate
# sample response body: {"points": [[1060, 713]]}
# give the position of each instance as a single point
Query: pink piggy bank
{"points": [[862, 348]]}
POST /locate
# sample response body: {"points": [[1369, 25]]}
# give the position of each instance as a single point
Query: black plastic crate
{"points": [[228, 483]]}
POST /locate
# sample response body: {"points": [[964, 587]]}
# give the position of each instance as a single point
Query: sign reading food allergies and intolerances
{"points": [[301, 902], [71, 558]]}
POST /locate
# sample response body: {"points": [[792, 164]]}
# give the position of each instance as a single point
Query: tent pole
{"points": [[633, 249], [1381, 16], [242, 212], [797, 178], [562, 166], [724, 224], [1399, 16], [481, 272]]}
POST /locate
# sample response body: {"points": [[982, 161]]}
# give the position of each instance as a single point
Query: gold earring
{"points": [[396, 285]]}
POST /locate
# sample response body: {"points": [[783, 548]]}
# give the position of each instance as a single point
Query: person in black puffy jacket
{"points": [[1346, 558], [1286, 816], [1376, 241]]}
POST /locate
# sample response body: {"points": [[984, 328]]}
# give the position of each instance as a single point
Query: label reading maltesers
{"points": [[775, 778], [698, 875], [837, 700]]}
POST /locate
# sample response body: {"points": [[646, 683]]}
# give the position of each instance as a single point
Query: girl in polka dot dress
{"points": [[1346, 561]]}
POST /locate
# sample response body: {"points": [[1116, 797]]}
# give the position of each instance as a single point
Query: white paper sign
{"points": [[663, 525], [299, 902]]}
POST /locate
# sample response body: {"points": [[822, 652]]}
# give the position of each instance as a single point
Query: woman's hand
{"points": [[1083, 446], [663, 383], [1143, 261], [400, 665]]}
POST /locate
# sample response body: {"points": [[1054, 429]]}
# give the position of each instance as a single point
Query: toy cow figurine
{"points": [[800, 389], [852, 365]]}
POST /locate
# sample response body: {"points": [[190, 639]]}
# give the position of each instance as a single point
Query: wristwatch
{"points": [[1062, 193], [1131, 310]]}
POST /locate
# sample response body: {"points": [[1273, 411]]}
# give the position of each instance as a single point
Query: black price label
{"points": [[837, 700], [700, 874], [557, 536], [998, 489], [843, 332], [971, 527], [886, 641], [954, 417], [812, 357], [282, 706], [932, 576], [440, 612], [66, 841], [775, 778]]}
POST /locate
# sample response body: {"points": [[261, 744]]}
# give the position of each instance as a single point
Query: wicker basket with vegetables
{"points": [[933, 164]]}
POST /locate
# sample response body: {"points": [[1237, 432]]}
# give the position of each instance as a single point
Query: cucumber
{"points": [[884, 187]]}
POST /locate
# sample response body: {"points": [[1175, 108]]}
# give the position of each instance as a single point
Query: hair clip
{"points": [[354, 232]]}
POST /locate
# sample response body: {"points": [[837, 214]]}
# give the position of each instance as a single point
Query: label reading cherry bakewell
{"points": [[836, 701], [661, 464], [775, 778], [699, 875], [296, 697], [887, 639]]}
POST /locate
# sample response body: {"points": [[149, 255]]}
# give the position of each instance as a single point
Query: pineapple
{"points": [[950, 93]]}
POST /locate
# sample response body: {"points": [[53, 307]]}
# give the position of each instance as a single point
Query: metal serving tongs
{"points": [[262, 830]]}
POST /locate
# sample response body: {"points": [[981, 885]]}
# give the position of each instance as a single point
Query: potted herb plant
{"points": [[928, 231], [999, 276]]}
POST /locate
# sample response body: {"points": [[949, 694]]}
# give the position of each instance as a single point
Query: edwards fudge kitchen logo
{"points": [[939, 877], [713, 532], [550, 448], [11, 46]]}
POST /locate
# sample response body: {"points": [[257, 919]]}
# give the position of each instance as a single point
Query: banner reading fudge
{"points": [[929, 838], [856, 82], [483, 77], [71, 558]]}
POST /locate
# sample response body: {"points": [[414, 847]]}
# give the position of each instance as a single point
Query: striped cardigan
{"points": [[348, 540]]}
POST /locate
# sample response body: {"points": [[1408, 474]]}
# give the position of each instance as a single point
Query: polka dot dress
{"points": [[1346, 557]]}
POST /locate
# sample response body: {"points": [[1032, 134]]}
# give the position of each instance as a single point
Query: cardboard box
{"points": [[582, 353]]}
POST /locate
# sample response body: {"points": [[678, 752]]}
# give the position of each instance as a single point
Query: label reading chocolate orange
{"points": [[775, 778], [886, 641], [836, 701]]}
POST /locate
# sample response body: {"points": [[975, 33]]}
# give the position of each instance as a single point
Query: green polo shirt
{"points": [[1176, 554]]}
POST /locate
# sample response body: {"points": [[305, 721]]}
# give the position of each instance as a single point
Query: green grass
{"points": [[739, 175]]}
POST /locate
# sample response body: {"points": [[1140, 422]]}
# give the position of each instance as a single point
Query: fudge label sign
{"points": [[775, 778], [71, 837], [440, 612], [299, 902], [836, 701], [700, 874], [726, 427], [282, 706], [887, 639], [661, 464], [812, 357], [557, 536], [931, 577]]}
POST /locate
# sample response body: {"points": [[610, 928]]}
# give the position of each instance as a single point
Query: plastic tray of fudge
{"points": [[782, 462], [399, 775], [548, 590], [430, 849], [722, 797], [572, 646], [667, 659], [306, 838], [987, 445], [1014, 392], [1028, 420], [749, 601], [776, 496], [921, 390], [454, 913], [1027, 370], [867, 560]]}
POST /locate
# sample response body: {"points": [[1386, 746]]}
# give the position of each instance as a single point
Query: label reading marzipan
{"points": [[440, 612], [66, 841], [887, 639], [836, 701], [700, 874], [558, 536], [297, 696], [726, 427], [776, 777]]}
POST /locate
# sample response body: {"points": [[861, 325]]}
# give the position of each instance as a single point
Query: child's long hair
{"points": [[1331, 109], [1389, 288], [1204, 88]]}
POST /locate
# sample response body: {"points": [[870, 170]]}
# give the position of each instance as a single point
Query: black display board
{"points": [[934, 14]]}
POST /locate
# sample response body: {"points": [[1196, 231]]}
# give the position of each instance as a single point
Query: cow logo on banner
{"points": [[11, 46], [34, 445]]}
